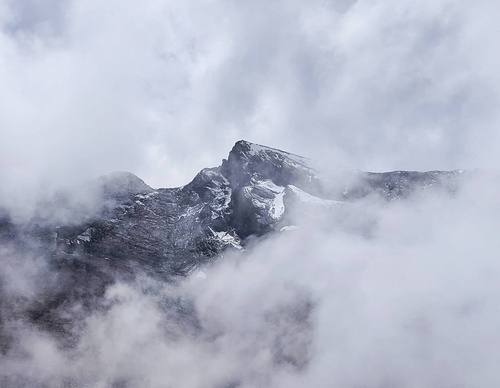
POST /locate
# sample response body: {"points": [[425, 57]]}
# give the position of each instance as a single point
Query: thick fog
{"points": [[404, 294]]}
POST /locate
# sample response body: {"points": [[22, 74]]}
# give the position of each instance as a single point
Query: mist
{"points": [[370, 294], [413, 303]]}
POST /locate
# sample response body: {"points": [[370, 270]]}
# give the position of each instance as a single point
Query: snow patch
{"points": [[311, 199], [226, 238], [290, 227], [85, 236], [278, 206], [274, 203], [256, 149], [146, 196]]}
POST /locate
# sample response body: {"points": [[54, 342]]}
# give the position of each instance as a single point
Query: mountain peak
{"points": [[253, 149], [250, 160], [128, 228], [122, 183]]}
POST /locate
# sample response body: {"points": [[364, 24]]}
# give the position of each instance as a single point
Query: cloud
{"points": [[163, 89], [411, 304]]}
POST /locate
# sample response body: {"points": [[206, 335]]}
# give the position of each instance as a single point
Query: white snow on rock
{"points": [[293, 160], [146, 196], [290, 227], [311, 199], [278, 206], [256, 149], [85, 236], [227, 238], [267, 195], [222, 198]]}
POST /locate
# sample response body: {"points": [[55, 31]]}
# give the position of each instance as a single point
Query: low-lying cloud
{"points": [[411, 304]]}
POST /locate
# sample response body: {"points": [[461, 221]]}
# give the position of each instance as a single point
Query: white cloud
{"points": [[163, 88], [412, 304]]}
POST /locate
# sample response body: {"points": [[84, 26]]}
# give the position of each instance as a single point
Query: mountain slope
{"points": [[166, 233]]}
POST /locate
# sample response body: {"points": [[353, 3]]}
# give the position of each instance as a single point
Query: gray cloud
{"points": [[45, 19], [163, 89]]}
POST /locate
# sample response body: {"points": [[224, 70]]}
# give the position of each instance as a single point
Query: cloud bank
{"points": [[412, 304]]}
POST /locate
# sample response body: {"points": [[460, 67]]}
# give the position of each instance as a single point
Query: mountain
{"points": [[128, 229]]}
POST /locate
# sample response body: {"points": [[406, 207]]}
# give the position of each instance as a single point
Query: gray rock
{"points": [[168, 233]]}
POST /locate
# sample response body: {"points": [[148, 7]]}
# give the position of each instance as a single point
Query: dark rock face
{"points": [[167, 233]]}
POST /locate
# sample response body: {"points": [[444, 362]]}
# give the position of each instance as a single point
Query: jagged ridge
{"points": [[170, 232]]}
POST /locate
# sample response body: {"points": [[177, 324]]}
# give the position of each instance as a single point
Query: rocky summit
{"points": [[129, 229]]}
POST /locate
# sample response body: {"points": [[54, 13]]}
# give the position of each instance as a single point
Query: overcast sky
{"points": [[164, 88]]}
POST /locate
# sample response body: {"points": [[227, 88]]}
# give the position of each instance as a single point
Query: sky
{"points": [[164, 88]]}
